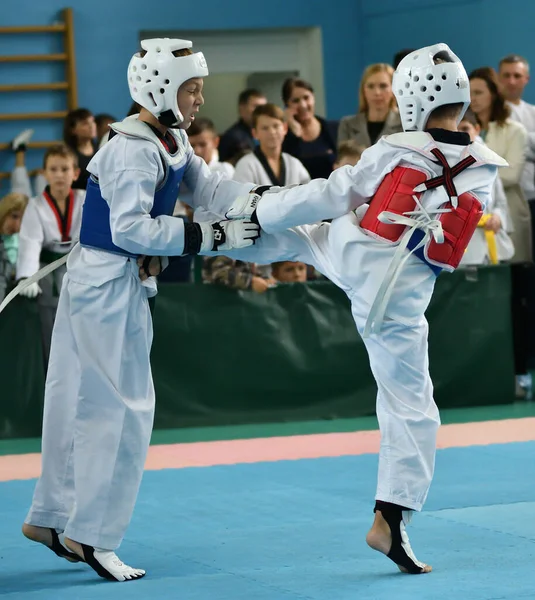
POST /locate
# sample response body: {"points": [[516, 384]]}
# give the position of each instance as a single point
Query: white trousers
{"points": [[407, 414], [98, 413]]}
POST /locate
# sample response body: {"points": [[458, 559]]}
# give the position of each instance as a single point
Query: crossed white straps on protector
{"points": [[415, 219]]}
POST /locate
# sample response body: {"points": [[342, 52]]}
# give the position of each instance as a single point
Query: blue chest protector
{"points": [[96, 232]]}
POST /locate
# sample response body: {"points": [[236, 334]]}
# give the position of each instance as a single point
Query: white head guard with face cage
{"points": [[426, 79], [154, 78]]}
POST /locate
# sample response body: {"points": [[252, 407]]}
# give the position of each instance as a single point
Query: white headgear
{"points": [[420, 85], [154, 79]]}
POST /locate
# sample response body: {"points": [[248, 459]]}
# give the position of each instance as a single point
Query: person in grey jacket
{"points": [[378, 114]]}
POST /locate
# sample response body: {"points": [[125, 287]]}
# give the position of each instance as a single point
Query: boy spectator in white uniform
{"points": [[268, 164], [204, 140], [50, 228]]}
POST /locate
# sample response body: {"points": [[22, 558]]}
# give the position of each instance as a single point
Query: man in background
{"points": [[238, 139]]}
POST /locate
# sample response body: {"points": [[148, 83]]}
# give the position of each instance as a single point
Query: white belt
{"points": [[416, 219], [33, 279]]}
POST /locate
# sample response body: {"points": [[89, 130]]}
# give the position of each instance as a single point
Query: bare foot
{"points": [[380, 538], [105, 562], [49, 538], [74, 547], [43, 535]]}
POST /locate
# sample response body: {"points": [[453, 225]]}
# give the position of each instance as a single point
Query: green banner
{"points": [[222, 356], [22, 373], [226, 357]]}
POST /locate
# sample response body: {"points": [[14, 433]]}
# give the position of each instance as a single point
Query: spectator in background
{"points": [[235, 274], [509, 139], [378, 114], [133, 110], [268, 164], [349, 153], [12, 207], [399, 56], [310, 138], [50, 228], [490, 243], [80, 133], [202, 136], [288, 271], [514, 76], [238, 139], [204, 140], [102, 122]]}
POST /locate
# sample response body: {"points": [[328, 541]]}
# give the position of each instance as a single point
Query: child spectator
{"points": [[349, 153], [204, 140], [50, 228], [268, 164], [288, 271]]}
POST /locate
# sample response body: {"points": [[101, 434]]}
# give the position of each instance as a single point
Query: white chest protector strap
{"points": [[417, 219], [457, 227]]}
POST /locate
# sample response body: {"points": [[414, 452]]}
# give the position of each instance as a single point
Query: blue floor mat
{"points": [[294, 530]]}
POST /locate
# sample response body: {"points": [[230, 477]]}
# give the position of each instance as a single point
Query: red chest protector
{"points": [[396, 195]]}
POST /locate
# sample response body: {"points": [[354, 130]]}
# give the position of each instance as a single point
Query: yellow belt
{"points": [[491, 240]]}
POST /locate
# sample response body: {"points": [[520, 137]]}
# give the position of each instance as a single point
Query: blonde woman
{"points": [[378, 114], [12, 208]]}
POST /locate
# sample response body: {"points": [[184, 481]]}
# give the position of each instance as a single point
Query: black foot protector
{"points": [[108, 565], [400, 552], [60, 550]]}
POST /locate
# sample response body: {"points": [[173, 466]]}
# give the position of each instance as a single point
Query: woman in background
{"points": [[80, 135], [509, 139], [310, 138], [378, 114]]}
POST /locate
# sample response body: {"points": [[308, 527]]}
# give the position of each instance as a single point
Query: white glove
{"points": [[31, 291], [228, 235], [243, 207]]}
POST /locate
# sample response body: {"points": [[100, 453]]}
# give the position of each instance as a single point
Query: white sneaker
{"points": [[21, 140]]}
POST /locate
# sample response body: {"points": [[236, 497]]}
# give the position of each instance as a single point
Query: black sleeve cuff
{"points": [[192, 238], [261, 189]]}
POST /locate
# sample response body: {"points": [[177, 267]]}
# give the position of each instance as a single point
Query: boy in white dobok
{"points": [[99, 397], [418, 197], [50, 228]]}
